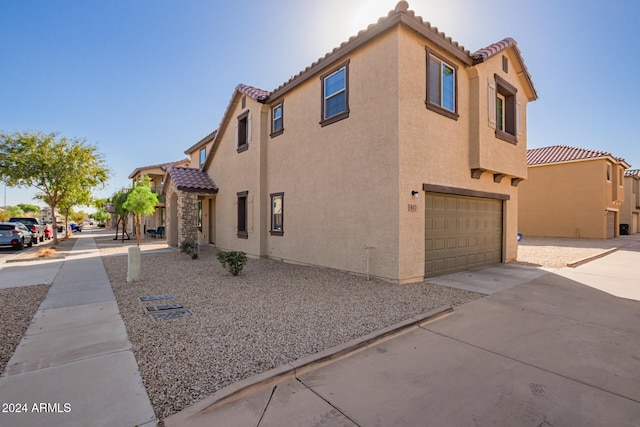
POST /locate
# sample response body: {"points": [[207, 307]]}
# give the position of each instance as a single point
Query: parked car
{"points": [[34, 225], [16, 235], [48, 231]]}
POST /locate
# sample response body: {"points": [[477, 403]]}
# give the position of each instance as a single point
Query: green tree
{"points": [[61, 168], [100, 216], [141, 201], [27, 208], [11, 211], [118, 200]]}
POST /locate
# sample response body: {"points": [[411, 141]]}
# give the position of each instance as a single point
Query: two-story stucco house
{"points": [[396, 155], [630, 208], [156, 175], [572, 192]]}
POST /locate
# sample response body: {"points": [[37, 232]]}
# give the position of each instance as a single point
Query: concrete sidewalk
{"points": [[551, 351], [74, 366]]}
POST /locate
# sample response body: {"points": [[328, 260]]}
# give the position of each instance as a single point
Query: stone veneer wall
{"points": [[187, 217]]}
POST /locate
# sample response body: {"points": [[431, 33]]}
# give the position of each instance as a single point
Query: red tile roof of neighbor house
{"points": [[564, 153], [162, 166], [632, 172], [193, 180]]}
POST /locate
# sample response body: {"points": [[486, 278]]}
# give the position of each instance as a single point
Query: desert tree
{"points": [[141, 201], [60, 168]]}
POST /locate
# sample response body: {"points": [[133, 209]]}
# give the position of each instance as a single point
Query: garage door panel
{"points": [[466, 233]]}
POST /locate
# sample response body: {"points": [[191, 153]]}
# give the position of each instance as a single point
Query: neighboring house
{"points": [[572, 192], [397, 155], [47, 215], [156, 174], [630, 209]]}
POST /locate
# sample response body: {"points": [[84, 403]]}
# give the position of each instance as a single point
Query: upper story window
{"points": [[203, 155], [243, 131], [335, 95], [608, 172], [277, 119], [504, 109], [442, 91]]}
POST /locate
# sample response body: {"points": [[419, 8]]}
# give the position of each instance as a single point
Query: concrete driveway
{"points": [[560, 349]]}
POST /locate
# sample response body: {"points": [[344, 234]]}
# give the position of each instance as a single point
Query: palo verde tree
{"points": [[56, 166], [117, 200], [141, 201]]}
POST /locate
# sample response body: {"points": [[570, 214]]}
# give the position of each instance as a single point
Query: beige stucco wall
{"points": [[347, 186], [568, 200], [340, 182], [435, 149], [629, 210]]}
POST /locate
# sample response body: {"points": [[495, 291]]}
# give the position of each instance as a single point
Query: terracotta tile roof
{"points": [[162, 166], [564, 153], [402, 14], [633, 173], [493, 49], [193, 180], [253, 92]]}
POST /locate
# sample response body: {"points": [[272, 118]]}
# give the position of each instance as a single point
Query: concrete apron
{"points": [[552, 351], [74, 366]]}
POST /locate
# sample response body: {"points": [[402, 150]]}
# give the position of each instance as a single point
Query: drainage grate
{"points": [[156, 297], [171, 314], [163, 307]]}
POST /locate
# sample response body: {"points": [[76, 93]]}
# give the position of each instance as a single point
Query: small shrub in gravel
{"points": [[190, 248], [233, 261]]}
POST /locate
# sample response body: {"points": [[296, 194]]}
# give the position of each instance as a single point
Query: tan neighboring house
{"points": [[572, 192], [630, 208], [156, 174], [396, 155]]}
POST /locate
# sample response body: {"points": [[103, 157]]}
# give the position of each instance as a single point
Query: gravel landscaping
{"points": [[271, 314], [19, 305], [557, 252]]}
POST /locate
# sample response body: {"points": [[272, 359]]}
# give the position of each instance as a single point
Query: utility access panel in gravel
{"points": [[170, 314], [156, 297], [163, 307]]}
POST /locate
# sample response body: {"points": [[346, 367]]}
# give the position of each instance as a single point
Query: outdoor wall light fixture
{"points": [[415, 194]]}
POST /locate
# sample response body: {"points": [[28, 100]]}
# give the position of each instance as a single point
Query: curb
{"points": [[291, 370]]}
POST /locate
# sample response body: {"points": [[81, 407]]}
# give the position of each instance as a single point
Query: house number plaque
{"points": [[413, 208]]}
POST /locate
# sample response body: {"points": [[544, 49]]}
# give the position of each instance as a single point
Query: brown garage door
{"points": [[611, 225], [461, 233]]}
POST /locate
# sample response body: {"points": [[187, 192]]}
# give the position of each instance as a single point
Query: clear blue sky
{"points": [[145, 79]]}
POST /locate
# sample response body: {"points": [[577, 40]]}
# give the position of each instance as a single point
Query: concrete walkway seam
{"points": [[312, 362]]}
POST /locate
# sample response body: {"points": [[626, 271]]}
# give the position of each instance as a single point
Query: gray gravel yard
{"points": [[19, 305], [271, 314]]}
